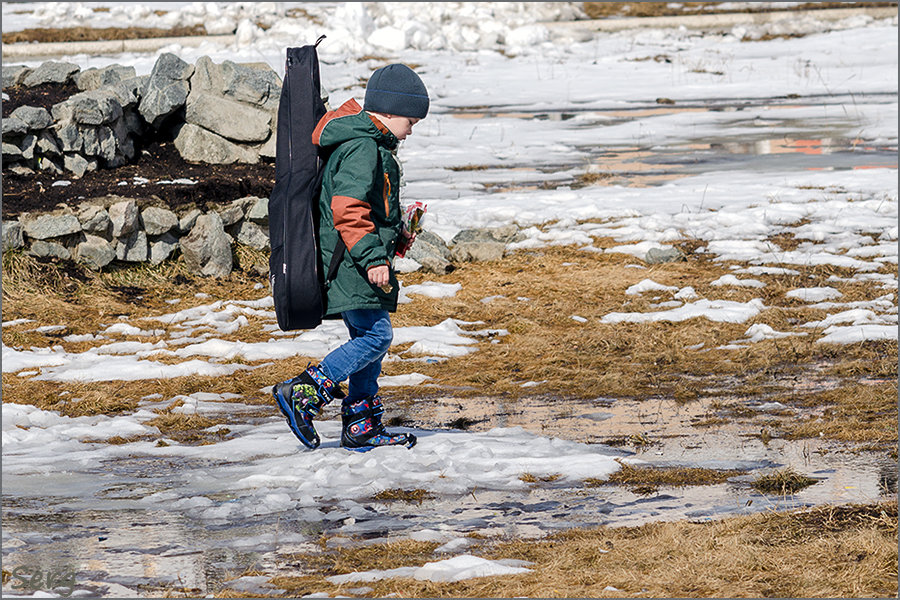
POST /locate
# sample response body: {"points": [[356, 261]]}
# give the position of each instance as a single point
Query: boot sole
{"points": [[411, 441], [288, 413]]}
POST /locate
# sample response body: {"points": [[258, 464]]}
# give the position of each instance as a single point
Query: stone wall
{"points": [[216, 113]]}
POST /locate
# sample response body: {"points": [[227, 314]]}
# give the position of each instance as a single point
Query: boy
{"points": [[360, 216]]}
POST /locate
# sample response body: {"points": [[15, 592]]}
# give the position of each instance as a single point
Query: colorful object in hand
{"points": [[412, 224]]}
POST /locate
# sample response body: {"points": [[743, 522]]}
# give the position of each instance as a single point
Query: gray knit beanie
{"points": [[397, 90]]}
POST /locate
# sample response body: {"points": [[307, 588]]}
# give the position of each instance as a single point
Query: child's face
{"points": [[399, 126]]}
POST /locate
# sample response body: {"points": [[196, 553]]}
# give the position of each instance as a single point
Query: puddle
{"points": [[801, 144]]}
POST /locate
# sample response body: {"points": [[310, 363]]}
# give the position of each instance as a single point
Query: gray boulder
{"points": [[133, 247], [95, 252], [430, 251], [94, 219], [228, 118], [50, 225], [199, 145], [162, 248], [94, 78], [231, 215], [657, 256], [259, 212], [158, 221], [11, 152], [50, 72], [13, 128], [255, 84], [14, 75], [48, 249], [34, 117], [251, 234], [29, 143], [46, 144], [78, 164], [477, 251], [207, 248], [69, 136], [125, 217], [95, 107], [186, 222], [166, 90], [13, 235]]}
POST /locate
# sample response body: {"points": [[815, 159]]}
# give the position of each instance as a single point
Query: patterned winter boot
{"points": [[363, 430], [302, 398]]}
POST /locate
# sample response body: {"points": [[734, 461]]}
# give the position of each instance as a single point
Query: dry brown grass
{"points": [[783, 482], [831, 551], [652, 477]]}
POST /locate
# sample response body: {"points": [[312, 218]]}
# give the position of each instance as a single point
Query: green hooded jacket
{"points": [[360, 201]]}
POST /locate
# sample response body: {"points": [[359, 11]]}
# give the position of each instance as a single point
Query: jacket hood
{"points": [[349, 122]]}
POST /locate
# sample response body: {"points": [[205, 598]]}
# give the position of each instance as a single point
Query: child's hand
{"points": [[379, 275]]}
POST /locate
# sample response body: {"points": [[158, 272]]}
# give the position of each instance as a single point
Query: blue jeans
{"points": [[360, 358]]}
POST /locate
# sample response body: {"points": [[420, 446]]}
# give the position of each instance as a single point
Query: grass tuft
{"points": [[783, 482]]}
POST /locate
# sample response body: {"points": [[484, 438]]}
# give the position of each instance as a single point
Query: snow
{"points": [[533, 107]]}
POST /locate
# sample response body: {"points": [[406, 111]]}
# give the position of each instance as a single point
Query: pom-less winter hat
{"points": [[397, 90]]}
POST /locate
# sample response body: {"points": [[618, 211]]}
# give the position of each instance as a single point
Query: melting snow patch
{"points": [[648, 285], [457, 568], [732, 280], [816, 294], [858, 333], [722, 311]]}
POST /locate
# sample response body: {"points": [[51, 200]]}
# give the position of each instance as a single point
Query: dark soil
{"points": [[216, 185], [606, 10], [40, 96]]}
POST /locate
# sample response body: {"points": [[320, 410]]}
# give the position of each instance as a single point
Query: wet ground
{"points": [[91, 521]]}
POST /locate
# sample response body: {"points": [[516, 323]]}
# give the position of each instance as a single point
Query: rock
{"points": [[158, 221], [29, 143], [89, 108], [199, 145], [477, 251], [163, 248], [231, 215], [14, 75], [251, 234], [94, 219], [69, 136], [430, 251], [50, 72], [259, 212], [78, 164], [13, 235], [657, 256], [34, 117], [94, 78], [228, 118], [95, 252], [21, 170], [46, 144], [255, 84], [269, 147], [133, 248], [44, 249], [11, 152], [50, 225], [207, 248], [506, 234], [166, 90], [129, 91], [186, 222], [125, 218], [47, 164], [13, 128], [207, 76]]}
